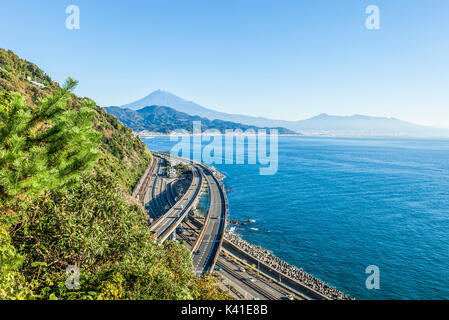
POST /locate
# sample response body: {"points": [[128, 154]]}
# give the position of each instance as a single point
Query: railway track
{"points": [[144, 186], [156, 192], [151, 201], [158, 203]]}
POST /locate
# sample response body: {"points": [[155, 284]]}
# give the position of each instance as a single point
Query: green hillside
{"points": [[67, 169], [121, 154]]}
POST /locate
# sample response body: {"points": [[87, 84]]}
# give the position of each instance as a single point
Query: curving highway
{"points": [[205, 252], [206, 244], [244, 284], [167, 223], [168, 215]]}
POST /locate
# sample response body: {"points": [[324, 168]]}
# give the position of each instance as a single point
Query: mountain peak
{"points": [[161, 91], [165, 98]]}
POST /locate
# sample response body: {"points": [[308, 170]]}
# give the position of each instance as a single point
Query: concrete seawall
{"points": [[296, 278]]}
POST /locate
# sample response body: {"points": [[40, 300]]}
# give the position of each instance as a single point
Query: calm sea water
{"points": [[338, 205]]}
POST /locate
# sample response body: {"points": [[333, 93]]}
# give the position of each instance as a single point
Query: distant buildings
{"points": [[36, 83], [173, 172]]}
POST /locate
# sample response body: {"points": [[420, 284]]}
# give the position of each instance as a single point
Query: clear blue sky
{"points": [[279, 59]]}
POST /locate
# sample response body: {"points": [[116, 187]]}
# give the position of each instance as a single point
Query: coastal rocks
{"points": [[242, 223]]}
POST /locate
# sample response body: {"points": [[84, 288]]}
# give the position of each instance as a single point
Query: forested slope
{"points": [[66, 173], [121, 154]]}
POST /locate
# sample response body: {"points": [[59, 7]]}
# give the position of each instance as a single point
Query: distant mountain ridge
{"points": [[164, 120], [165, 98], [323, 124], [367, 126]]}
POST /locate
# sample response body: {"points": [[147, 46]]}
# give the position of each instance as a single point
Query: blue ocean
{"points": [[338, 205]]}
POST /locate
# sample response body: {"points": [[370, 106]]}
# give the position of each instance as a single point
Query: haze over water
{"points": [[338, 205]]}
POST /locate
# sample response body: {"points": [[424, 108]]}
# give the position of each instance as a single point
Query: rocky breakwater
{"points": [[284, 268]]}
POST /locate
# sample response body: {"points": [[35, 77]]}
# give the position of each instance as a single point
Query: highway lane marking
{"points": [[192, 194]]}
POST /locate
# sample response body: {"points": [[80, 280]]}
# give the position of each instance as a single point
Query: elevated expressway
{"points": [[166, 224], [168, 214], [206, 244], [248, 284], [206, 249]]}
